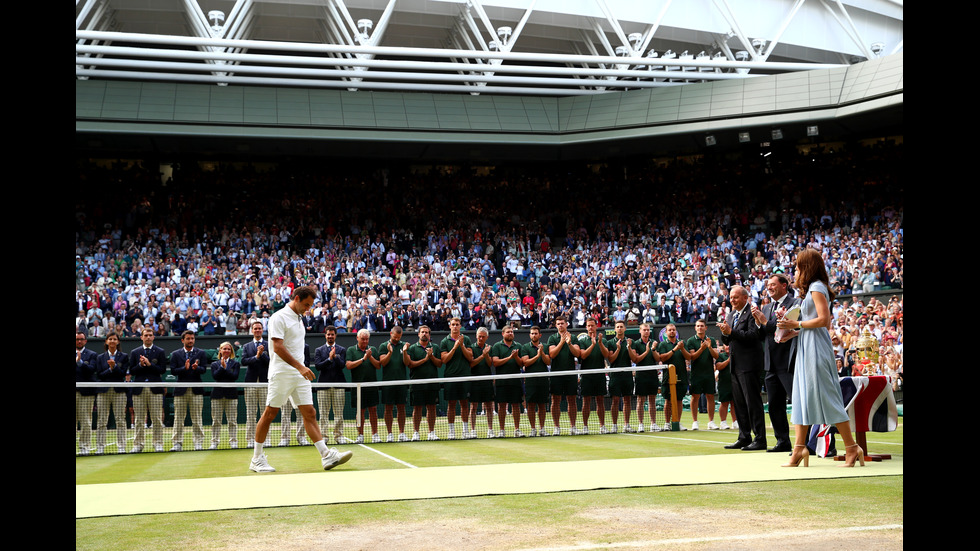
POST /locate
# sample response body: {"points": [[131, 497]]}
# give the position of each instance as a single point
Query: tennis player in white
{"points": [[289, 379]]}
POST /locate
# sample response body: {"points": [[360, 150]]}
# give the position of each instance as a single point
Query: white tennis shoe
{"points": [[261, 465], [334, 458]]}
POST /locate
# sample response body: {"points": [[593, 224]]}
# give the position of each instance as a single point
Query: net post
{"points": [[675, 423], [357, 407]]}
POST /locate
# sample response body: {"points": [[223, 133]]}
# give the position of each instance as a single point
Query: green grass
{"points": [[530, 521]]}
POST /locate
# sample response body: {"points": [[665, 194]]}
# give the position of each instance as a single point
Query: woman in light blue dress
{"points": [[816, 387]]}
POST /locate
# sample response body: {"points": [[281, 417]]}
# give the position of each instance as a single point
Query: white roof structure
{"points": [[525, 47]]}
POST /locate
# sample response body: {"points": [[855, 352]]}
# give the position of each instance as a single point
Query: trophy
{"points": [[867, 353]]}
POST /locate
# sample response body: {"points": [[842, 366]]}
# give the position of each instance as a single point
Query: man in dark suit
{"points": [[741, 333], [663, 313], [309, 322], [780, 358], [84, 397], [329, 360], [380, 319], [323, 320], [255, 358], [147, 363], [188, 363]]}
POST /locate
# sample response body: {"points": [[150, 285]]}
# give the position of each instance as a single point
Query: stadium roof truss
{"points": [[526, 47]]}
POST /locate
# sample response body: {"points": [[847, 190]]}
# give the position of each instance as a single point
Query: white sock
{"points": [[258, 449], [321, 446]]}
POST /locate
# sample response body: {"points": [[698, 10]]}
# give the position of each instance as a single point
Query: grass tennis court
{"points": [[703, 515]]}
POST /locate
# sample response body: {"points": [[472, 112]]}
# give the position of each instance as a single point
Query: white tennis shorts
{"points": [[289, 386]]}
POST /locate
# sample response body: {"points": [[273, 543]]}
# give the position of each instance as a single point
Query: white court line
{"points": [[745, 537], [395, 459], [655, 435]]}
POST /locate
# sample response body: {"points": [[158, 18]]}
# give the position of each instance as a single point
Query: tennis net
{"points": [[169, 416]]}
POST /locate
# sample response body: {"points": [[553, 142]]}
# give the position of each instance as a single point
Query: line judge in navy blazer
{"points": [[84, 397], [255, 358], [188, 363], [330, 361], [147, 363], [112, 367], [224, 401]]}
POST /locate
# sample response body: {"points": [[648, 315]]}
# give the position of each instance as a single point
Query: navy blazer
{"points": [[85, 371], [151, 373], [256, 367], [745, 343], [188, 373], [227, 374], [115, 375], [331, 371], [779, 356]]}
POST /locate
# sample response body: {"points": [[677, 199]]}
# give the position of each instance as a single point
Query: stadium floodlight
{"points": [[812, 130], [669, 54], [719, 56], [364, 25], [704, 57], [503, 33], [777, 133], [652, 54], [742, 55], [622, 51], [217, 18], [635, 39], [710, 140], [744, 137]]}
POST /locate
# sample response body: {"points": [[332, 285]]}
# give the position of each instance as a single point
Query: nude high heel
{"points": [[858, 455], [804, 456]]}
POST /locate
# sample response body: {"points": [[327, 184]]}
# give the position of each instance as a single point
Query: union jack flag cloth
{"points": [[870, 403], [821, 440]]}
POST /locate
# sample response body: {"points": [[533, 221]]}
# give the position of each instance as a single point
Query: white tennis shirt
{"points": [[288, 326]]}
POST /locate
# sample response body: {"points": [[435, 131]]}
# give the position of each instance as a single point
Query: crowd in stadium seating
{"points": [[663, 242]]}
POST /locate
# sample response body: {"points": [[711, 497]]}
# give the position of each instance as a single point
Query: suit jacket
{"points": [[117, 374], [747, 353], [331, 371], [778, 356], [321, 322], [85, 371], [256, 367], [382, 322], [227, 374], [309, 323], [150, 373], [473, 320], [188, 373]]}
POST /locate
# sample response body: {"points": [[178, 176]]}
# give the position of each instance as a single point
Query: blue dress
{"points": [[817, 398]]}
